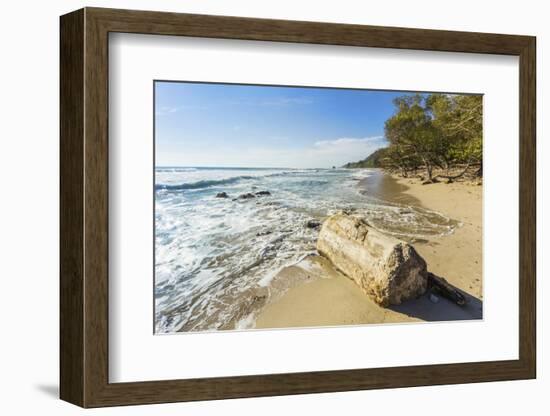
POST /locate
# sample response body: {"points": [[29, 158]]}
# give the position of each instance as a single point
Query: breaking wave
{"points": [[201, 184]]}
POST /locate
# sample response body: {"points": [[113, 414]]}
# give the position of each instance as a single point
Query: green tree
{"points": [[459, 120], [434, 130], [412, 133]]}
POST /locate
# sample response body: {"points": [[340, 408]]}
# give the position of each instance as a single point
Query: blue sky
{"points": [[260, 126]]}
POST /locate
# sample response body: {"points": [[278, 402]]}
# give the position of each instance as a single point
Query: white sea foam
{"points": [[361, 173], [215, 258]]}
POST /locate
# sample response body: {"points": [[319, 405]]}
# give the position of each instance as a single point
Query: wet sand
{"points": [[328, 298]]}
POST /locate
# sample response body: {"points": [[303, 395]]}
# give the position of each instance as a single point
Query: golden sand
{"points": [[327, 298]]}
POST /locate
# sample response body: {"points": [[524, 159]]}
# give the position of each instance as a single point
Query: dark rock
{"points": [[262, 233], [314, 224], [222, 195], [349, 211], [257, 298], [263, 193], [247, 196]]}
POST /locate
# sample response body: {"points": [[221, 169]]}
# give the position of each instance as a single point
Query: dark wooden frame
{"points": [[84, 207]]}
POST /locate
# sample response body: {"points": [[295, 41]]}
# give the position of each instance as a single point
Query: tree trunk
{"points": [[429, 169], [450, 179], [403, 171]]}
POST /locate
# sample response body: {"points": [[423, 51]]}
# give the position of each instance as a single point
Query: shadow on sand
{"points": [[444, 310]]}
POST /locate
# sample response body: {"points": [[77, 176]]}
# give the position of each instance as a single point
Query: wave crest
{"points": [[201, 184]]}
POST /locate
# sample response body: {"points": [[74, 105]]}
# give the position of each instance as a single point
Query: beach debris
{"points": [[222, 195], [445, 289], [313, 224], [388, 270], [263, 193], [433, 298]]}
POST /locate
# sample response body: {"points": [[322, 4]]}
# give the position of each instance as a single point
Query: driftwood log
{"points": [[388, 270]]}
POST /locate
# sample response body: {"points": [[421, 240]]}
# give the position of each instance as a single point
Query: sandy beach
{"points": [[328, 298]]}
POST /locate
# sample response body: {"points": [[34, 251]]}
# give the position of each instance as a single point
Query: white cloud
{"points": [[166, 110], [320, 154]]}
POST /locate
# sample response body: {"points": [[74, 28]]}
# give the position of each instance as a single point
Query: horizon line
{"points": [[240, 167]]}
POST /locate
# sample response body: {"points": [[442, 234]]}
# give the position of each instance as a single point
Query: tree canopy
{"points": [[434, 131]]}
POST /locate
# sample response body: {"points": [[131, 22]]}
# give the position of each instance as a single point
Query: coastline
{"points": [[328, 298]]}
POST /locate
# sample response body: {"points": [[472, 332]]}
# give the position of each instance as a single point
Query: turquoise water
{"points": [[215, 258]]}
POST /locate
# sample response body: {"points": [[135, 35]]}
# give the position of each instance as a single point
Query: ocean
{"points": [[216, 258]]}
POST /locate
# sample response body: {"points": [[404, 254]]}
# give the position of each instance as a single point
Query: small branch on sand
{"points": [[445, 289]]}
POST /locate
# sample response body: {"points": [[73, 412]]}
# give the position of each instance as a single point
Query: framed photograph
{"points": [[255, 207]]}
